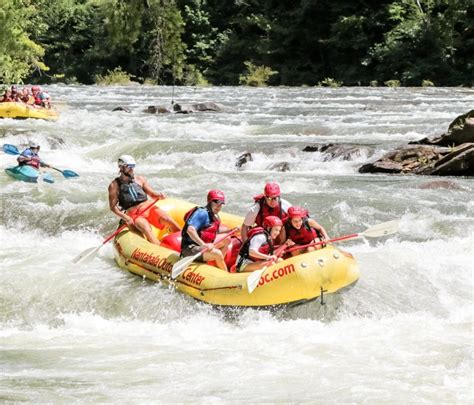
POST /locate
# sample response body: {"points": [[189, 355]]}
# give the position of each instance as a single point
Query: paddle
{"points": [[375, 231], [255, 276], [13, 150], [89, 254], [181, 265]]}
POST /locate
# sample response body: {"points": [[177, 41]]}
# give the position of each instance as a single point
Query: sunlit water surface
{"points": [[92, 333]]}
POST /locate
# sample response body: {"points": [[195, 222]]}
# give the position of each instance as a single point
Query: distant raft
{"points": [[29, 174], [293, 281], [24, 111]]}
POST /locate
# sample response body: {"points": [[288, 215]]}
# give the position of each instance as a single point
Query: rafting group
{"points": [[33, 96], [271, 226]]}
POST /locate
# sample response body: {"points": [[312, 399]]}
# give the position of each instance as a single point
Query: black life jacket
{"points": [[266, 248], [130, 194]]}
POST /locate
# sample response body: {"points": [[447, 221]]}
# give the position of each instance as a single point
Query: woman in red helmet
{"points": [[258, 250], [267, 204], [302, 230], [202, 224]]}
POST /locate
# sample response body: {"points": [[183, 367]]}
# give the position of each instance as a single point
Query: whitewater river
{"points": [[93, 333]]}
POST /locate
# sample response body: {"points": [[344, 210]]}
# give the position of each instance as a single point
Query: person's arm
{"points": [[24, 157], [194, 235], [249, 220], [113, 203], [149, 190], [255, 244], [313, 224]]}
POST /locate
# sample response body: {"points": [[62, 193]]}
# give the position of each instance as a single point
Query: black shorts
{"points": [[192, 250]]}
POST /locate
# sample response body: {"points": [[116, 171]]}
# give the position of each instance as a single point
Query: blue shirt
{"points": [[199, 220], [27, 153]]}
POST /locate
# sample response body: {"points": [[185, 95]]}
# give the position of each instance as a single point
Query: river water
{"points": [[93, 333]]}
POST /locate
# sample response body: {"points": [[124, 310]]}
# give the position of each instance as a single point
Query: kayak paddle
{"points": [[180, 265], [88, 254], [375, 231], [13, 150]]}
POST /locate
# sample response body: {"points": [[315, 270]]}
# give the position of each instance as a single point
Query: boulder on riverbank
{"points": [[451, 154]]}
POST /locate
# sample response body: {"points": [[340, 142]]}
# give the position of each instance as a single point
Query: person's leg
{"points": [[144, 226], [167, 221], [215, 254], [254, 266], [223, 246]]}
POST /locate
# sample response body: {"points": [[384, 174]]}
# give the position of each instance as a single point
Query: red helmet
{"points": [[272, 190], [271, 221], [215, 195], [35, 88], [297, 212]]}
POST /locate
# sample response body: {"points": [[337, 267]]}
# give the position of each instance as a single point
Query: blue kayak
{"points": [[28, 173]]}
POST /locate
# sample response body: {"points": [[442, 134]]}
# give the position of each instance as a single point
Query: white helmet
{"points": [[126, 160], [33, 144]]}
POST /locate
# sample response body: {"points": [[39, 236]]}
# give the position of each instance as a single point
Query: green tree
{"points": [[19, 55]]}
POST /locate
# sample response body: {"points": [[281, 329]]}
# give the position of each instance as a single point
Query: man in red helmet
{"points": [[202, 224], [266, 204], [303, 230], [258, 250]]}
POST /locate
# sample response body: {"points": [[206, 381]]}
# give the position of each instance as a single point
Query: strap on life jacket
{"points": [[245, 249], [265, 211], [207, 234]]}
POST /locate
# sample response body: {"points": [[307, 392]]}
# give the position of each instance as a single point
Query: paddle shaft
{"points": [[182, 264], [218, 241], [346, 237], [139, 214]]}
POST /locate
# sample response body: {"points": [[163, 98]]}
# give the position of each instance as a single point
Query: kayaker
{"points": [[258, 250], [202, 224], [30, 156], [303, 230], [266, 204], [128, 196]]}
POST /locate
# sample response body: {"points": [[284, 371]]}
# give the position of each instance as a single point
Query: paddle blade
{"points": [[182, 264], [385, 228], [10, 149], [69, 173], [254, 278], [87, 255], [48, 179]]}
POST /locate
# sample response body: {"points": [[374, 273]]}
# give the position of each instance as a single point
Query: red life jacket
{"points": [[301, 236], [207, 234], [266, 211], [266, 248], [34, 162]]}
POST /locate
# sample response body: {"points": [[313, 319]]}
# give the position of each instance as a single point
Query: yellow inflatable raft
{"points": [[23, 111], [293, 281]]}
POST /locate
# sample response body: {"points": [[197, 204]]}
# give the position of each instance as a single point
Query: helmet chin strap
{"points": [[130, 176]]}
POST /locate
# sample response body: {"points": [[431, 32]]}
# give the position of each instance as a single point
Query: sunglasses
{"points": [[130, 166], [272, 198], [218, 202]]}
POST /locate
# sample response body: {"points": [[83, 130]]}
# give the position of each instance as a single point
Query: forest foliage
{"points": [[231, 42]]}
